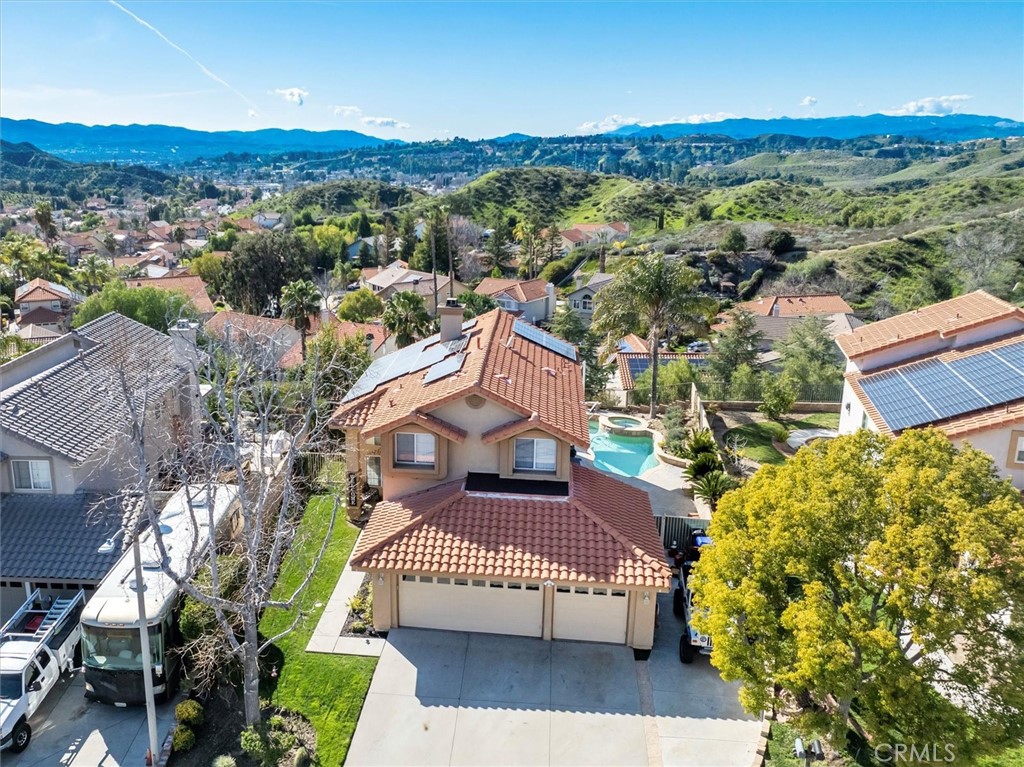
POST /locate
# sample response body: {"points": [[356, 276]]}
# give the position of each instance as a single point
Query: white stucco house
{"points": [[533, 300], [957, 365]]}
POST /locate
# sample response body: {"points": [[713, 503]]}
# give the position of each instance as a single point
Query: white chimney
{"points": [[579, 281], [549, 309], [451, 320]]}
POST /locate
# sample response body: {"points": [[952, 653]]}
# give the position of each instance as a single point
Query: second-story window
{"points": [[539, 455], [31, 475], [587, 303], [415, 450]]}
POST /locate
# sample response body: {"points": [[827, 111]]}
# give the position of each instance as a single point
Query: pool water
{"points": [[625, 456], [626, 421]]}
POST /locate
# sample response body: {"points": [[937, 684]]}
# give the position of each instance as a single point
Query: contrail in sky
{"points": [[186, 54]]}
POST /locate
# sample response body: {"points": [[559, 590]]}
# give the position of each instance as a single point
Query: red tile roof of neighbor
{"points": [[797, 306], [521, 290], [603, 532], [342, 329], [504, 367], [957, 426], [189, 285], [37, 290], [942, 319]]}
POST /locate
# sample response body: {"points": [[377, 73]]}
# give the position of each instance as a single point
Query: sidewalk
{"points": [[327, 634]]}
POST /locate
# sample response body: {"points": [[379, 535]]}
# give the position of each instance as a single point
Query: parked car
{"points": [[692, 641]]}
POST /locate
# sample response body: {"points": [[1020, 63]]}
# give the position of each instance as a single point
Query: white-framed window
{"points": [[415, 450], [533, 454], [31, 476], [587, 303], [373, 470], [55, 306], [575, 303], [508, 305], [1019, 452]]}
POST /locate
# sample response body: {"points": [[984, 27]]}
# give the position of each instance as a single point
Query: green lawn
{"points": [[759, 438], [326, 689]]}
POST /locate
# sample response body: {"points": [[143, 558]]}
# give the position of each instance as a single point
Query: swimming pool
{"points": [[625, 456]]}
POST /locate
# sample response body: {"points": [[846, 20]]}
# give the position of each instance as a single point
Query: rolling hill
{"points": [[28, 169]]}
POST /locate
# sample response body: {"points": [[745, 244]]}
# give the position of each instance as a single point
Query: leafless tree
{"points": [[463, 237], [257, 426], [473, 265], [983, 257]]}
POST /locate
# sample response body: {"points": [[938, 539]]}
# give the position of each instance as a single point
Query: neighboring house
{"points": [[533, 300], [76, 246], [395, 278], [64, 431], [774, 329], [46, 304], [189, 285], [586, 234], [375, 244], [37, 334], [487, 523], [630, 365], [956, 365], [583, 298], [267, 220], [797, 306]]}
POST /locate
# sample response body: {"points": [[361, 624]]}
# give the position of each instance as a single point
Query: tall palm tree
{"points": [[406, 318], [92, 272], [300, 299], [654, 297]]}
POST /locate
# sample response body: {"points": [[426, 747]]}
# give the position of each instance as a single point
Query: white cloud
{"points": [[932, 106], [253, 113], [294, 95], [347, 111], [609, 123], [808, 101], [385, 122], [710, 117]]}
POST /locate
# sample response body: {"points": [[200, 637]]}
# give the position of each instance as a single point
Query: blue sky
{"points": [[422, 70]]}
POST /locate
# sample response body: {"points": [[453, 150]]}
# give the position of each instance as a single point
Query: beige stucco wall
{"points": [[999, 443], [61, 471]]}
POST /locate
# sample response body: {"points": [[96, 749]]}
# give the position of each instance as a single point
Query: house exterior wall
{"points": [[852, 415], [1001, 444], [62, 474]]}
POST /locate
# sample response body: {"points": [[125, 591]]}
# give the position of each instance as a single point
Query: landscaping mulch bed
{"points": [[224, 722], [361, 614]]}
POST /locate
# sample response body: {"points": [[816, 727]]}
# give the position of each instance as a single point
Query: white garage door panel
{"points": [[594, 615], [485, 608]]}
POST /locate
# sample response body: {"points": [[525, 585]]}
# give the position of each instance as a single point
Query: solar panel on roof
{"points": [[935, 390], [444, 368], [548, 341]]}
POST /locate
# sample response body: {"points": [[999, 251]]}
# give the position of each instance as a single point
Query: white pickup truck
{"points": [[36, 645]]}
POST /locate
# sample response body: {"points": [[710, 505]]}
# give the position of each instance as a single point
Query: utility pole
{"points": [[147, 661], [433, 259]]}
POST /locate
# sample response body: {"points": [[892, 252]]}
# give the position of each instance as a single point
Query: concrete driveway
{"points": [[68, 730], [451, 698]]}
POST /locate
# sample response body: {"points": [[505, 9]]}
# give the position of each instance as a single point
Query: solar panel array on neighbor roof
{"points": [[548, 341], [422, 354], [933, 390]]}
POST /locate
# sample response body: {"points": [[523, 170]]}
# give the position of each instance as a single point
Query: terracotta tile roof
{"points": [[797, 306], [357, 413], [39, 290], [504, 367], [41, 315], [634, 343], [603, 532], [943, 319], [623, 359], [509, 429], [190, 285], [978, 420], [521, 290], [574, 235]]}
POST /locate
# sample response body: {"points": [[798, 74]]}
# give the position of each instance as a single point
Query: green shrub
{"points": [[266, 747], [224, 761], [705, 463], [712, 486], [183, 739], [700, 442], [778, 431], [777, 396], [190, 713], [358, 627]]}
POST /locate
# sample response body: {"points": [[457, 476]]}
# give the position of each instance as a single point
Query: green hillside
{"points": [[341, 197]]}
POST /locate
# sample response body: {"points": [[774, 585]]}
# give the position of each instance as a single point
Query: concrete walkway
{"points": [[327, 636]]}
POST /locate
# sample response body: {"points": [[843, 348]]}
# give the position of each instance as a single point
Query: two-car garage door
{"points": [[466, 604], [592, 614]]}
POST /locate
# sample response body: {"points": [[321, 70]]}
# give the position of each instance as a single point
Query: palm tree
{"points": [[300, 299], [92, 272], [654, 297], [406, 318]]}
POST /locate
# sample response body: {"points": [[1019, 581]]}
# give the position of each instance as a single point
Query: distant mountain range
{"points": [[935, 128], [157, 144]]}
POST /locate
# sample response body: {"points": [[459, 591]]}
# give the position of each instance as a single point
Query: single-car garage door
{"points": [[596, 614], [467, 604]]}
